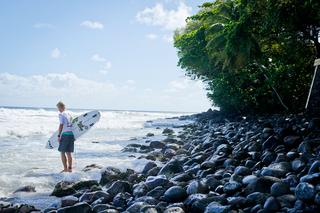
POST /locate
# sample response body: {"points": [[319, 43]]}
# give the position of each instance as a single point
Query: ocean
{"points": [[25, 161]]}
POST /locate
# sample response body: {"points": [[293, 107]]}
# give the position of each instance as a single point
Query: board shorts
{"points": [[66, 143]]}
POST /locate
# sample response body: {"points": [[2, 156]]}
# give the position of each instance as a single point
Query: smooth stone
{"points": [[171, 168], [286, 200], [140, 189], [184, 177], [242, 170], [257, 197], [154, 181], [110, 174], [157, 144], [26, 189], [69, 201], [297, 165], [174, 210], [63, 189], [197, 186], [305, 191], [136, 207], [280, 188], [215, 207], [291, 140], [271, 204], [86, 184], [101, 207], [120, 200], [79, 208], [237, 201], [175, 194], [231, 187], [311, 178], [157, 192], [249, 179], [118, 187], [276, 169], [148, 167]]}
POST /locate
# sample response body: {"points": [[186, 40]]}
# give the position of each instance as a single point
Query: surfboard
{"points": [[80, 125]]}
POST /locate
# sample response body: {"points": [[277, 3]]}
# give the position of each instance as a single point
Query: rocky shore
{"points": [[218, 164]]}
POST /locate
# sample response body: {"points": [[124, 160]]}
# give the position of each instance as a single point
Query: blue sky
{"points": [[95, 54]]}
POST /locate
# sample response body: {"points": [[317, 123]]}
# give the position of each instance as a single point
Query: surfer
{"points": [[65, 137]]}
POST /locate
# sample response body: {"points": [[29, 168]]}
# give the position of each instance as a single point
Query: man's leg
{"points": [[64, 161], [69, 156]]}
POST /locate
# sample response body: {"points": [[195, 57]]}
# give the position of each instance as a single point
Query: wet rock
{"points": [[215, 207], [257, 197], [197, 186], [286, 200], [79, 208], [174, 210], [271, 204], [63, 188], [154, 181], [175, 194], [118, 187], [136, 207], [104, 196], [103, 208], [237, 202], [280, 188], [148, 167], [276, 169], [91, 167], [169, 153], [291, 141], [231, 187], [167, 131], [157, 144], [242, 170], [154, 171], [297, 165], [26, 189], [171, 168], [270, 143], [157, 192], [150, 134], [305, 191], [110, 174], [69, 201], [140, 189], [85, 184], [121, 200]]}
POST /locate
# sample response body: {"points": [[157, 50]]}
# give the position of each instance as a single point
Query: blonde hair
{"points": [[60, 104]]}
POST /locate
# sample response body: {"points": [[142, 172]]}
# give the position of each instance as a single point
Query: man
{"points": [[65, 137]]}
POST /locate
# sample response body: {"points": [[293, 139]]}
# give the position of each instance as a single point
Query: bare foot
{"points": [[69, 169], [65, 170]]}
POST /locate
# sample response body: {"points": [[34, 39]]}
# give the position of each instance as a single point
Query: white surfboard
{"points": [[80, 125]]}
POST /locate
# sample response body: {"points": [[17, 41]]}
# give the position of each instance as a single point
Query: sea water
{"points": [[25, 161]]}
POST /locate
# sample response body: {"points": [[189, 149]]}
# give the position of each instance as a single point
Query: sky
{"points": [[99, 54]]}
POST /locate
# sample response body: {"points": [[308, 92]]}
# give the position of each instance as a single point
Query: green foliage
{"points": [[246, 49]]}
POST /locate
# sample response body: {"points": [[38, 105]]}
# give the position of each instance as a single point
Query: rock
{"points": [[242, 170], [136, 207], [148, 167], [271, 204], [157, 144], [102, 208], [140, 189], [305, 191], [317, 198], [63, 188], [297, 165], [87, 184], [78, 208], [261, 184], [154, 171], [171, 168], [157, 192], [280, 188], [197, 186], [270, 143], [313, 178], [257, 197], [286, 200], [150, 134], [237, 202], [69, 201], [184, 177], [215, 207], [91, 167], [26, 189], [119, 187], [249, 179], [291, 141], [276, 169], [231, 187], [110, 174], [106, 197], [167, 131], [315, 167], [175, 194], [121, 199], [154, 181]]}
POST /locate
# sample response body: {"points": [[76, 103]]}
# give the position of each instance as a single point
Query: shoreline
{"points": [[217, 164]]}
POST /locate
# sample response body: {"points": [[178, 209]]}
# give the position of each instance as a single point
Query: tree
{"points": [[245, 50]]}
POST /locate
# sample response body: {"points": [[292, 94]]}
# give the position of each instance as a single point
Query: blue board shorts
{"points": [[66, 143]]}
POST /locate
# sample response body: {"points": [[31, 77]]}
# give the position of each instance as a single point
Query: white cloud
{"points": [[80, 92], [43, 25], [107, 65], [92, 24], [151, 36], [55, 53], [165, 18], [98, 58]]}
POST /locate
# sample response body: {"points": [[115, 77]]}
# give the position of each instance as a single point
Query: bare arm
{"points": [[60, 129]]}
